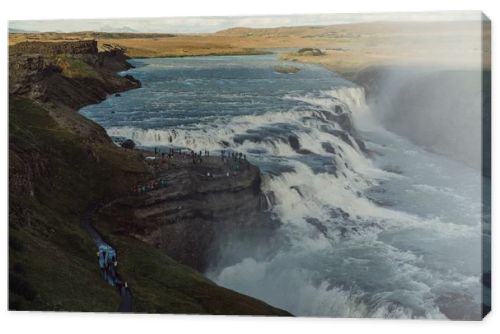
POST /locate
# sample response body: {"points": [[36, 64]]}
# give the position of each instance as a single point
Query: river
{"points": [[393, 233]]}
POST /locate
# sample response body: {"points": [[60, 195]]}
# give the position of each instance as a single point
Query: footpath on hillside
{"points": [[107, 259]]}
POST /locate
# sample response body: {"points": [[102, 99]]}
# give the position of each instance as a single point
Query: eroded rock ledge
{"points": [[185, 217]]}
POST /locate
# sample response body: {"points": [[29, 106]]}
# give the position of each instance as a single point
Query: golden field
{"points": [[347, 48]]}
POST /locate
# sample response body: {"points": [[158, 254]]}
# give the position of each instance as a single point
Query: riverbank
{"points": [[59, 163], [346, 48]]}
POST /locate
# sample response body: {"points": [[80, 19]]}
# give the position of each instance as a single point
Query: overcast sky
{"points": [[212, 24]]}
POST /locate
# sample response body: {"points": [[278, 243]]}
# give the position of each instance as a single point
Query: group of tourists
{"points": [[149, 186], [107, 261], [196, 157], [235, 161], [171, 152], [232, 162], [235, 156]]}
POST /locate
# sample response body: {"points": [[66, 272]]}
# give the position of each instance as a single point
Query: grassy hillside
{"points": [[52, 261], [59, 164]]}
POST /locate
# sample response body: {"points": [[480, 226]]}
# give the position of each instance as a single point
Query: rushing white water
{"points": [[397, 234]]}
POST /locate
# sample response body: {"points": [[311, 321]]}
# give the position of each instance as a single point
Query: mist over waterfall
{"points": [[369, 224], [440, 109]]}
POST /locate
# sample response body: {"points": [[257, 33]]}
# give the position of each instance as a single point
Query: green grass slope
{"points": [[52, 179], [59, 163]]}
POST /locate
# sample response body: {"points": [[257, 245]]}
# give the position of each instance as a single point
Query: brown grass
{"points": [[348, 47]]}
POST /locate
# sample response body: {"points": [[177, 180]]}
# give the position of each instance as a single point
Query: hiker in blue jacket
{"points": [[102, 262]]}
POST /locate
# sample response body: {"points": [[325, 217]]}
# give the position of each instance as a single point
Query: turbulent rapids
{"points": [[371, 225]]}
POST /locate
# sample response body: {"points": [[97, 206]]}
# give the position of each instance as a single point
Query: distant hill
{"points": [[108, 28]]}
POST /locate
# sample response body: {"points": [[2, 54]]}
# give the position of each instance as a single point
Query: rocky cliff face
{"points": [[186, 217], [71, 73]]}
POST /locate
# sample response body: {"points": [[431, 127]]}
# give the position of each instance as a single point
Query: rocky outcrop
{"points": [[128, 144], [310, 52], [113, 58], [294, 143], [347, 131], [286, 69], [55, 48], [186, 217], [72, 74], [27, 74]]}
